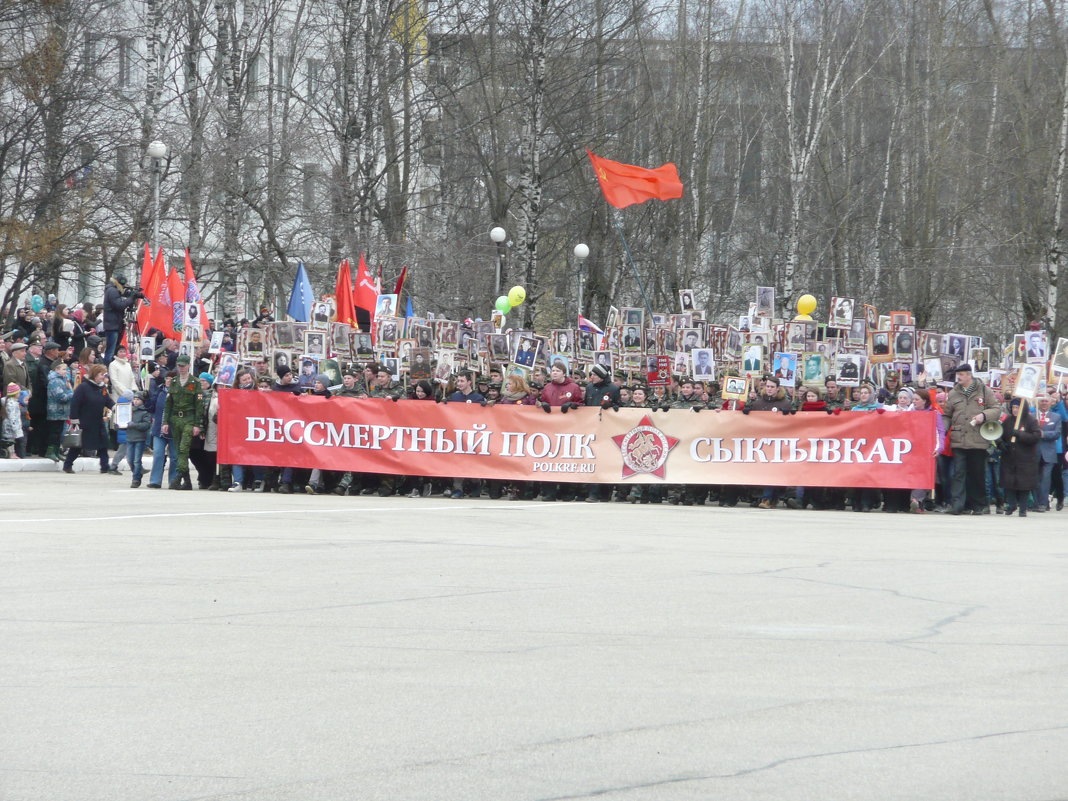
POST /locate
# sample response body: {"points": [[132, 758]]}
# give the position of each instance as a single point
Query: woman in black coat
{"points": [[88, 406], [1019, 459]]}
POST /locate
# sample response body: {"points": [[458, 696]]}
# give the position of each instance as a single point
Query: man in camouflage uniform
{"points": [[384, 386], [184, 409], [835, 398]]}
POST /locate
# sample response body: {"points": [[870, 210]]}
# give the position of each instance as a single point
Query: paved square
{"points": [[201, 645]]}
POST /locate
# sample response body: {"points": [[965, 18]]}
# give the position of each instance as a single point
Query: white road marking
{"points": [[243, 513]]}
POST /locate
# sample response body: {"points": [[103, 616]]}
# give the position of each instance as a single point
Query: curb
{"points": [[81, 465]]}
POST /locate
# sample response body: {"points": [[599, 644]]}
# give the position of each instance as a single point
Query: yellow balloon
{"points": [[516, 295], [806, 304]]}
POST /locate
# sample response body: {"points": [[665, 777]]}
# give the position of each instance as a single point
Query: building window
{"points": [[281, 71], [314, 68], [255, 68], [126, 60]]}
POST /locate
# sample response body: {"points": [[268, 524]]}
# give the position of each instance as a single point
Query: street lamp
{"points": [[582, 252], [157, 151], [498, 235]]}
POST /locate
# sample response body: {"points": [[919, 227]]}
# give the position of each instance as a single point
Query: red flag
{"points": [[161, 312], [346, 312], [151, 271], [366, 294], [177, 309], [400, 282], [192, 296], [624, 184]]}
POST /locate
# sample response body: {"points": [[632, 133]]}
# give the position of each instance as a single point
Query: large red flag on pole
{"points": [[365, 295], [192, 298], [150, 286], [177, 292], [624, 184], [160, 313], [343, 295], [400, 283]]}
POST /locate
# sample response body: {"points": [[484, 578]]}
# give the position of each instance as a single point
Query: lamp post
{"points": [[157, 151], [582, 252], [498, 235]]}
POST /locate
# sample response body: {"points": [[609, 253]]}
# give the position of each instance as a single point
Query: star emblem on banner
{"points": [[645, 449]]}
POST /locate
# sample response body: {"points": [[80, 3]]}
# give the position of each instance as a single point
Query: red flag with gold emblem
{"points": [[624, 184]]}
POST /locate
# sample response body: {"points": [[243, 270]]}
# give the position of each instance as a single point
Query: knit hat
{"points": [[13, 388], [207, 377], [323, 379], [283, 371], [599, 371]]}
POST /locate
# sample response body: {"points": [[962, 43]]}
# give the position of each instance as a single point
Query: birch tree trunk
{"points": [[530, 188]]}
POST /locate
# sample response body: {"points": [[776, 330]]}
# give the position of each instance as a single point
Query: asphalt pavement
{"points": [[250, 647]]}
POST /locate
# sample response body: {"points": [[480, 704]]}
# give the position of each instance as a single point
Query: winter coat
{"points": [[1019, 460], [157, 402], [16, 372], [59, 394], [961, 407], [211, 423], [558, 394], [115, 306], [123, 381], [87, 407], [11, 428], [1051, 437], [596, 393], [775, 403], [470, 397], [39, 387], [140, 426]]}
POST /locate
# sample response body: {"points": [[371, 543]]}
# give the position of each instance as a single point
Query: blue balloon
{"points": [[36, 303]]}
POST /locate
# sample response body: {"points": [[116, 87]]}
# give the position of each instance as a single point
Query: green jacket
{"points": [[184, 402], [961, 408]]}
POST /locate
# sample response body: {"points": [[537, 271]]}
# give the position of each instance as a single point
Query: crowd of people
{"points": [[71, 389]]}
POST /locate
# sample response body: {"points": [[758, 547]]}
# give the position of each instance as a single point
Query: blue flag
{"points": [[300, 299], [409, 312]]}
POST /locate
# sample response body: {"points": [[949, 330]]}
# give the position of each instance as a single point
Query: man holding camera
{"points": [[117, 299]]}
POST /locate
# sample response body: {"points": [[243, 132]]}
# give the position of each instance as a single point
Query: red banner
{"points": [[851, 449]]}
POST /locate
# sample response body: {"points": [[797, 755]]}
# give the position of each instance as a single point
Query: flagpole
{"points": [[615, 214]]}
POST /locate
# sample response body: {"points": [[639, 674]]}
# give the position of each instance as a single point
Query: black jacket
{"points": [[115, 306], [39, 387], [595, 393], [87, 407], [1019, 460]]}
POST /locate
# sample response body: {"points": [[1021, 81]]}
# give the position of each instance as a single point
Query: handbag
{"points": [[72, 438]]}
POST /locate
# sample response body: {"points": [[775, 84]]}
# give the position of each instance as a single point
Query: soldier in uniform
{"points": [[384, 386], [181, 415]]}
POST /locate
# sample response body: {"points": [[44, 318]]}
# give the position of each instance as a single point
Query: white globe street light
{"points": [[582, 252], [157, 151], [498, 235]]}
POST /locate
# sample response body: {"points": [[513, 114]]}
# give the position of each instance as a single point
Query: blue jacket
{"points": [[1051, 436], [60, 392], [157, 401], [1061, 410]]}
